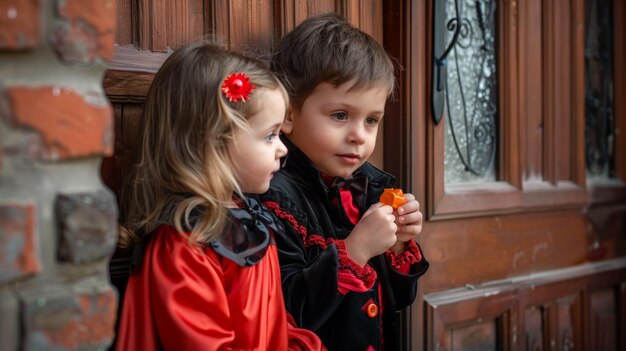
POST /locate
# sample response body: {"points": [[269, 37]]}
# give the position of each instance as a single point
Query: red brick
{"points": [[70, 321], [18, 256], [90, 32], [20, 22], [69, 125]]}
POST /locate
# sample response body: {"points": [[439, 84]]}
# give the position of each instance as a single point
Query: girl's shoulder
{"points": [[167, 239]]}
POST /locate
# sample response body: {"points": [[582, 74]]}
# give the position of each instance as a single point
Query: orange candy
{"points": [[392, 197]]}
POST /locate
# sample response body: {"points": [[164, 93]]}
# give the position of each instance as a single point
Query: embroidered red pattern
{"points": [[367, 274], [411, 255]]}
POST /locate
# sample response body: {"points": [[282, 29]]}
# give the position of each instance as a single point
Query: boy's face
{"points": [[336, 127], [255, 154]]}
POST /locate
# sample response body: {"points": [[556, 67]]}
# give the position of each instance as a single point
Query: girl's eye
{"points": [[371, 121], [271, 137], [340, 116]]}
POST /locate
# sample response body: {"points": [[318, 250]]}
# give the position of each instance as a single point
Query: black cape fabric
{"points": [[299, 197]]}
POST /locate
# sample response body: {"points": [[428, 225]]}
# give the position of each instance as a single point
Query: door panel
{"points": [[532, 260]]}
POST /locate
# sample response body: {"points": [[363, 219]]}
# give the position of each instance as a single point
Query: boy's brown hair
{"points": [[328, 49]]}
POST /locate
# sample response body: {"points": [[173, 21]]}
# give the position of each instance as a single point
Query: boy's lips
{"points": [[350, 155], [350, 158]]}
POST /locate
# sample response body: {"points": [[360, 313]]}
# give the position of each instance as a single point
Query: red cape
{"points": [[184, 297]]}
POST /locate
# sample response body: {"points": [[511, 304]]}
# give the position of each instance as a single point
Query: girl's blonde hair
{"points": [[188, 124]]}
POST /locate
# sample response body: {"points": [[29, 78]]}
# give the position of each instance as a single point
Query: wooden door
{"points": [[529, 254], [532, 257]]}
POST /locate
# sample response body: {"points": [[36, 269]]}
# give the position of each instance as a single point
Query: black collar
{"points": [[297, 165], [247, 235]]}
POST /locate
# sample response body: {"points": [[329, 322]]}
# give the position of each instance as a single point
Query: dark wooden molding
{"points": [[494, 309], [396, 41], [508, 24], [128, 58], [607, 191], [130, 74], [539, 196], [562, 302], [604, 272], [127, 87], [577, 146]]}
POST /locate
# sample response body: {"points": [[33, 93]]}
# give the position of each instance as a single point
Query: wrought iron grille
{"points": [[471, 106]]}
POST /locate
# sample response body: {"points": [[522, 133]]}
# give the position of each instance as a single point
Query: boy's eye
{"points": [[371, 121], [271, 137], [340, 116]]}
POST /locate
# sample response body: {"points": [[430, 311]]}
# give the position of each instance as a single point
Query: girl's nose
{"points": [[281, 149]]}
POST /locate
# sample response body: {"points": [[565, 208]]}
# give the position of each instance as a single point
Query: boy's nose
{"points": [[357, 134]]}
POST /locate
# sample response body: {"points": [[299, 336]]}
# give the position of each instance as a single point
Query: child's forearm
{"points": [[357, 255]]}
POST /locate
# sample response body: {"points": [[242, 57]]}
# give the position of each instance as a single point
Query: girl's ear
{"points": [[288, 122]]}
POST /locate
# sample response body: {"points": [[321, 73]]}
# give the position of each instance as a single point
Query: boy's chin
{"points": [[344, 174]]}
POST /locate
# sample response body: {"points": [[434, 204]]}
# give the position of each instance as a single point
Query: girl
{"points": [[209, 277]]}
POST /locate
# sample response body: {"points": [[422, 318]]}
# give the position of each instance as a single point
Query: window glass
{"points": [[599, 117], [471, 92]]}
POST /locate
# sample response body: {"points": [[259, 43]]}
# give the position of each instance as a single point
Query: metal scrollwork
{"points": [[471, 91]]}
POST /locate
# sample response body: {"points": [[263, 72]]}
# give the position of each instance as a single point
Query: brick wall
{"points": [[58, 222]]}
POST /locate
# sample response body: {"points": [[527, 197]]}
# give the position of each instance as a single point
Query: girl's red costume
{"points": [[186, 297]]}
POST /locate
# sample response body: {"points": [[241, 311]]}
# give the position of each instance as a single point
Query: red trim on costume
{"points": [[308, 240], [346, 282], [410, 255], [275, 207], [351, 210], [351, 276]]}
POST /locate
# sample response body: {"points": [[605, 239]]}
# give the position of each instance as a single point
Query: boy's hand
{"points": [[409, 220], [373, 234]]}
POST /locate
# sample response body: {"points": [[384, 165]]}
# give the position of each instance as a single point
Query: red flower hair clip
{"points": [[237, 86]]}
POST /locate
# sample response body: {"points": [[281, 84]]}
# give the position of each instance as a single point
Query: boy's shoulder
{"points": [[289, 188], [286, 195], [292, 181], [375, 175]]}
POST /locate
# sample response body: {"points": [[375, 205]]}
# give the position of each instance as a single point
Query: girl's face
{"points": [[255, 154], [336, 127]]}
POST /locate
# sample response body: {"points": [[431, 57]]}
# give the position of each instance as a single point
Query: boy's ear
{"points": [[287, 126]]}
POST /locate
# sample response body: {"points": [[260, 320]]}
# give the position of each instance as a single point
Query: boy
{"points": [[348, 263]]}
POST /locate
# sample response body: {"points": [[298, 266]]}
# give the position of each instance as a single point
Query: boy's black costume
{"points": [[312, 254]]}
